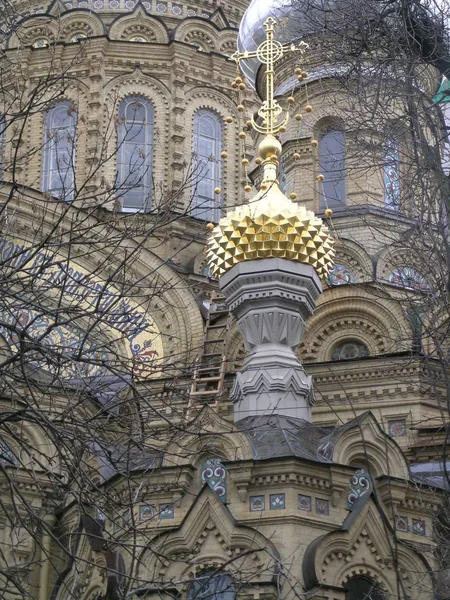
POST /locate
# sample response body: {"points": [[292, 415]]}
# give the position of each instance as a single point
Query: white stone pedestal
{"points": [[271, 299]]}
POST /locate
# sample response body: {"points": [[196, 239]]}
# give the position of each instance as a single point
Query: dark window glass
{"points": [[332, 167], [207, 142], [135, 154], [362, 588], [58, 165], [211, 585]]}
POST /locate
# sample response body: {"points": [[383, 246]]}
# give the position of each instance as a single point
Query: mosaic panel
{"points": [[257, 503], [166, 511], [397, 428], [418, 527], [304, 503], [215, 475], [340, 275], [401, 523], [7, 458], [277, 501], [146, 512], [359, 485], [322, 506]]}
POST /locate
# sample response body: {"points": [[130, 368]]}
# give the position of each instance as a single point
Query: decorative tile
{"points": [[401, 523], [215, 475], [257, 503], [277, 501], [359, 485], [397, 428], [146, 512], [322, 506], [418, 527], [304, 503], [166, 511]]}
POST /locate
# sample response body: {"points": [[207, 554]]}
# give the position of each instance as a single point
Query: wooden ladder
{"points": [[210, 369]]}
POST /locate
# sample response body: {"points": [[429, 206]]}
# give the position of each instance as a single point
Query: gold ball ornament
{"points": [[298, 71], [300, 77], [314, 143], [293, 196], [248, 123], [242, 135], [210, 226], [238, 80], [305, 74], [248, 188], [258, 160], [291, 100], [308, 108], [263, 187], [296, 155], [224, 154], [328, 212], [298, 117], [269, 145], [320, 178], [241, 107], [228, 119], [282, 129], [242, 86], [245, 162], [217, 190], [234, 85]]}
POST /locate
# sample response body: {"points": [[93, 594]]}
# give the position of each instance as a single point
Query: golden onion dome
{"points": [[270, 226]]}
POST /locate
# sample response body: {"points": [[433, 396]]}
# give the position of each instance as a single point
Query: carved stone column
{"points": [[271, 299]]}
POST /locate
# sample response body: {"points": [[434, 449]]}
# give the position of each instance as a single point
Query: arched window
{"points": [[135, 154], [349, 349], [391, 174], [212, 585], [58, 166], [208, 141], [332, 167], [362, 588], [215, 475]]}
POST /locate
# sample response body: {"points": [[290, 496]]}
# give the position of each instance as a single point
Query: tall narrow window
{"points": [[58, 166], [135, 154], [208, 140], [391, 174], [332, 167]]}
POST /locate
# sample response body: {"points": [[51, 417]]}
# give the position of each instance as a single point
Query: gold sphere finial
{"points": [[269, 146], [328, 212], [217, 190], [210, 226]]}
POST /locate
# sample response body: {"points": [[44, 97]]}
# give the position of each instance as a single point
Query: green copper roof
{"points": [[443, 93]]}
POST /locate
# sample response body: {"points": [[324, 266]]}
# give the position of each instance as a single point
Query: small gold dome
{"points": [[270, 226]]}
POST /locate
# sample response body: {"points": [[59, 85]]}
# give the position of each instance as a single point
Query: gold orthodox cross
{"points": [[268, 53]]}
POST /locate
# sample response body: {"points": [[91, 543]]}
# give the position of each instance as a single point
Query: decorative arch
{"points": [[361, 548], [32, 29], [392, 257], [139, 23], [224, 440], [210, 529], [196, 30], [355, 258], [344, 313], [80, 22], [365, 442]]}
